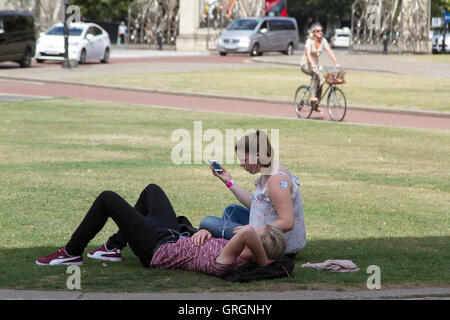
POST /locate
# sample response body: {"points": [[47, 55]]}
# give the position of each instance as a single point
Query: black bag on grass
{"points": [[280, 268]]}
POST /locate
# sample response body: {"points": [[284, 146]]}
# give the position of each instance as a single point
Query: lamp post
{"points": [[446, 17], [66, 62]]}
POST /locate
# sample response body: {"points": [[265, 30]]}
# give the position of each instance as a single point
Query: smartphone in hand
{"points": [[216, 166]]}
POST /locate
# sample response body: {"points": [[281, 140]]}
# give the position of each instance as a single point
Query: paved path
{"points": [[128, 65], [211, 103], [410, 65], [418, 293]]}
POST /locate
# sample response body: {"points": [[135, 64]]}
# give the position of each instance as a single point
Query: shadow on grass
{"points": [[406, 262]]}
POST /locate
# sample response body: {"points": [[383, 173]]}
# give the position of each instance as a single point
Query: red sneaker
{"points": [[60, 257], [102, 253]]}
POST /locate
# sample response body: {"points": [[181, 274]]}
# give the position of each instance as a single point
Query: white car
{"points": [[341, 38], [437, 43], [87, 41]]}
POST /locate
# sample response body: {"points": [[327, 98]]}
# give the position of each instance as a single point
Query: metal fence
{"points": [[403, 24]]}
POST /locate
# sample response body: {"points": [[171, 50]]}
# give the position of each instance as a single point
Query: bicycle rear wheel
{"points": [[337, 104], [302, 106]]}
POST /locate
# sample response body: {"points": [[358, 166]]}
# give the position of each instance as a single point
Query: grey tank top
{"points": [[263, 212]]}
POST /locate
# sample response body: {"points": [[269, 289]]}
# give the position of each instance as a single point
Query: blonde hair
{"points": [[274, 242], [312, 28]]}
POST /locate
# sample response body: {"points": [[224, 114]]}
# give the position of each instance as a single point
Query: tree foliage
{"points": [[103, 10], [117, 10], [437, 5], [342, 8], [320, 8]]}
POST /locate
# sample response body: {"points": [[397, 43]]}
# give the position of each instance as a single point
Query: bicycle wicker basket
{"points": [[335, 77]]}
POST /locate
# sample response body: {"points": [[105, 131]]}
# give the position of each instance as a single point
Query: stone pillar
{"points": [[190, 38]]}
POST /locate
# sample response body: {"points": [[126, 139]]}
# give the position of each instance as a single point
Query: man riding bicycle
{"points": [[314, 46]]}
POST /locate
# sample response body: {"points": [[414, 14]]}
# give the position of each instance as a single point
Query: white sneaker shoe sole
{"points": [[99, 256], [59, 262]]}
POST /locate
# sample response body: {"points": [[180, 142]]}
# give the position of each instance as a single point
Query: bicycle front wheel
{"points": [[302, 106], [337, 104]]}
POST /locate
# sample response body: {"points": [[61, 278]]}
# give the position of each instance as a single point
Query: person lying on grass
{"points": [[151, 229]]}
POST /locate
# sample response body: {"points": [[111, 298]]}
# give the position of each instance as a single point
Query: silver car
{"points": [[258, 35]]}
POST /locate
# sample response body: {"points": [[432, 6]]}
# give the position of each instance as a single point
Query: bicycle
{"points": [[336, 101]]}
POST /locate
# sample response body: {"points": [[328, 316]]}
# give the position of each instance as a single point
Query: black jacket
{"points": [[280, 268]]}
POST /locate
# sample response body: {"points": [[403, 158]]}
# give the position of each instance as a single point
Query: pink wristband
{"points": [[230, 184]]}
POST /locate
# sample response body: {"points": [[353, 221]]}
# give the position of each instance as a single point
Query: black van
{"points": [[17, 37]]}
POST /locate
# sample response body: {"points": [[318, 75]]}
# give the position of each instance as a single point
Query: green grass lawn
{"points": [[362, 88], [374, 195], [431, 58]]}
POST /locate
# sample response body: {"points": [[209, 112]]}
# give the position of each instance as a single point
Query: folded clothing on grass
{"points": [[333, 265]]}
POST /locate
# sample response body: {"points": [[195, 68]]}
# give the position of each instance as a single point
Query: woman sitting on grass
{"points": [[276, 200], [151, 229]]}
